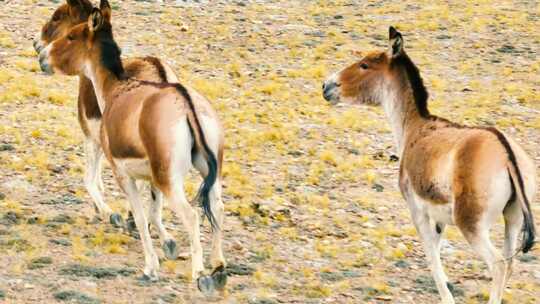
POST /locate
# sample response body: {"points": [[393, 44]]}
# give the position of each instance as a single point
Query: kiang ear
{"points": [[80, 8], [96, 20], [105, 8], [396, 42], [74, 3]]}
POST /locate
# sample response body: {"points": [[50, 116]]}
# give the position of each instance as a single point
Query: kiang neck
{"points": [[402, 113], [103, 81]]}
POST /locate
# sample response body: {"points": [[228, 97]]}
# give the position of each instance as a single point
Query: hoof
{"points": [[116, 220], [219, 276], [131, 226], [170, 249], [206, 285]]}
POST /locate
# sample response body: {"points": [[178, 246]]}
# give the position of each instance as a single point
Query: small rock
{"points": [[96, 272], [28, 286], [456, 290], [526, 258], [6, 147], [183, 256], [507, 48], [67, 199], [40, 262], [56, 168], [239, 287], [316, 33], [350, 274], [167, 298], [240, 269], [262, 301], [11, 218], [75, 297], [368, 225], [331, 276], [63, 218], [62, 242], [443, 37], [401, 264], [426, 283], [237, 246], [378, 187], [2, 196]]}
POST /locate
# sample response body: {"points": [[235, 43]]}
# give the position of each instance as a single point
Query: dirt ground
{"points": [[314, 214]]}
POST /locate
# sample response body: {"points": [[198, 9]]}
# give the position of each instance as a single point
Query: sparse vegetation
{"points": [[314, 213]]}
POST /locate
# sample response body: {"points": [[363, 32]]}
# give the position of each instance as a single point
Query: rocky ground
{"points": [[313, 211]]}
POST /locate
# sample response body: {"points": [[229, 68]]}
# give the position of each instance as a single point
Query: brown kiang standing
{"points": [[449, 174], [66, 16], [151, 131]]}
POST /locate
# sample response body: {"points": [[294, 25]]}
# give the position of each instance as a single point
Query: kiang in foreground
{"points": [[153, 131], [449, 174]]}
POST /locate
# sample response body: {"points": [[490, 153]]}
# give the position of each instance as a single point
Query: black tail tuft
{"points": [[203, 196], [204, 192], [529, 233]]}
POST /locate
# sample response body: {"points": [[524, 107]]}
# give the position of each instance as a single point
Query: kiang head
{"points": [[374, 76], [83, 44], [65, 17]]}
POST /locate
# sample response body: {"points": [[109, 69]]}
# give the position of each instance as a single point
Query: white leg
{"points": [[216, 258], [513, 219], [155, 213], [218, 209], [482, 245], [151, 260], [431, 239], [94, 157], [190, 219], [99, 175]]}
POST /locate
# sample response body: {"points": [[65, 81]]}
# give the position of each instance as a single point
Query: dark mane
{"points": [[159, 67], [110, 52], [417, 84]]}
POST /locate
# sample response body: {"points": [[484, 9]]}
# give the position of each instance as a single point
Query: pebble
{"points": [[6, 147], [28, 286], [368, 225], [183, 256], [237, 246]]}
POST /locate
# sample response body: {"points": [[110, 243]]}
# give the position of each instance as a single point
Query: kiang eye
{"points": [[364, 66], [70, 37]]}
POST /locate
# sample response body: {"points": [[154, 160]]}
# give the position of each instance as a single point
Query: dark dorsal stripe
{"points": [[110, 52], [417, 84], [159, 67]]}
